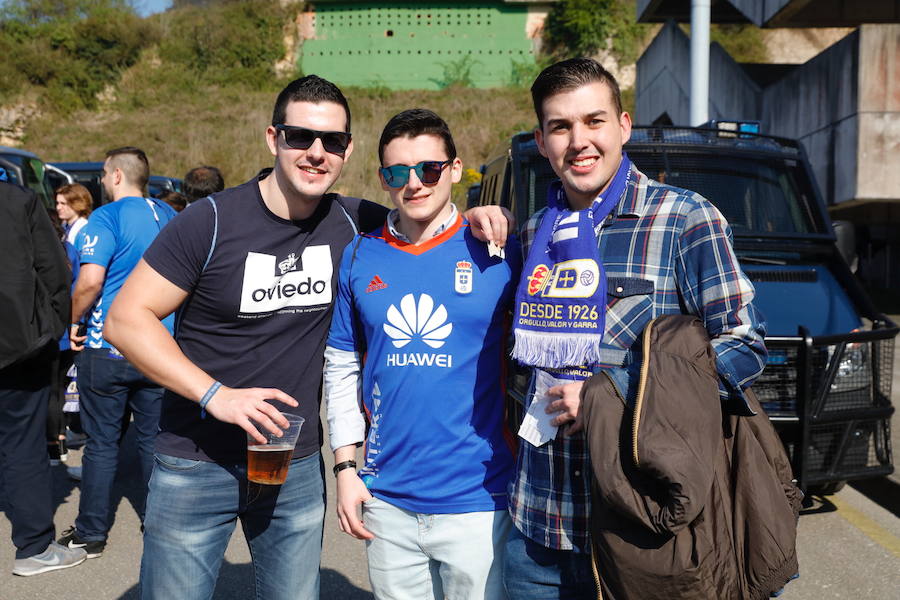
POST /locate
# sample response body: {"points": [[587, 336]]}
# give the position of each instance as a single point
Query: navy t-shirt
{"points": [[262, 294]]}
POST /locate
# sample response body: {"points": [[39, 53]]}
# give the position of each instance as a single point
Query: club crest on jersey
{"points": [[288, 264], [462, 279], [376, 284]]}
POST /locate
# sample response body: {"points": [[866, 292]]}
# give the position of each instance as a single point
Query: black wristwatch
{"points": [[347, 464]]}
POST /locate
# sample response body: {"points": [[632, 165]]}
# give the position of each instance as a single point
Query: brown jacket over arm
{"points": [[685, 504]]}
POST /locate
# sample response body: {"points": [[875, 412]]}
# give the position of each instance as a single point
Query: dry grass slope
{"points": [[182, 124]]}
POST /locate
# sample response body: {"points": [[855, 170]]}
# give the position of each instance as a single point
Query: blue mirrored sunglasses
{"points": [[428, 172]]}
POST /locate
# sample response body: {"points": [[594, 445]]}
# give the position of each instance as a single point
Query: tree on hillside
{"points": [[35, 12], [585, 27], [73, 48]]}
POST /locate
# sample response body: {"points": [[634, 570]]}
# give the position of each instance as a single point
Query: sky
{"points": [[149, 7]]}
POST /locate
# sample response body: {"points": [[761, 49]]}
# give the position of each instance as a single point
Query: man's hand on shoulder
{"points": [[351, 494], [567, 406], [491, 223], [240, 406]]}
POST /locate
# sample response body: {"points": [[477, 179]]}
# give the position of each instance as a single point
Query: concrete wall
{"points": [[818, 104], [844, 105], [878, 172], [778, 13], [664, 82]]}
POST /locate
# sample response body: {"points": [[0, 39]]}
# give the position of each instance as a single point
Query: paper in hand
{"points": [[536, 428], [496, 251]]}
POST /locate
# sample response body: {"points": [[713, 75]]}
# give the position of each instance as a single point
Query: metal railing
{"points": [[830, 399]]}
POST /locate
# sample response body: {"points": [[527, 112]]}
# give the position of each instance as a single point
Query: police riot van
{"points": [[827, 383]]}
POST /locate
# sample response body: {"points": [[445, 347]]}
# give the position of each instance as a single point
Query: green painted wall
{"points": [[412, 45]]}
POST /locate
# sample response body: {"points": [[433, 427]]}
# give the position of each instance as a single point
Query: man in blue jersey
{"points": [[426, 303], [109, 247]]}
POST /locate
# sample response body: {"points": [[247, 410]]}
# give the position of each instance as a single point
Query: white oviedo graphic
{"points": [[265, 291], [420, 320]]}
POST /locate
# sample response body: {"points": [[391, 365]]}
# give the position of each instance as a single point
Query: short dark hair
{"points": [[200, 182], [132, 162], [568, 75], [413, 123], [174, 199], [311, 88]]}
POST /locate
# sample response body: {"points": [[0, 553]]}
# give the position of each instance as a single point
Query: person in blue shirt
{"points": [[426, 303], [109, 247]]}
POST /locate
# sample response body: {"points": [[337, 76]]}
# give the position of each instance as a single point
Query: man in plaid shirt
{"points": [[664, 250]]}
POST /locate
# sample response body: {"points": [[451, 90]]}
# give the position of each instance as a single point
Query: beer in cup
{"points": [[268, 463]]}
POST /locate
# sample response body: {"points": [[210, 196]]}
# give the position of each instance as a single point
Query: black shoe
{"points": [[70, 539]]}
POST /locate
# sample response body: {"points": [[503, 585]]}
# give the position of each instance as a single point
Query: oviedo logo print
{"points": [[420, 320], [303, 282]]}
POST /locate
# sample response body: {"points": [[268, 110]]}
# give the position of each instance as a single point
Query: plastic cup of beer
{"points": [[268, 463]]}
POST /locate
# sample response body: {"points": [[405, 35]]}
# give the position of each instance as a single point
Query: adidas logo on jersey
{"points": [[418, 320], [375, 285]]}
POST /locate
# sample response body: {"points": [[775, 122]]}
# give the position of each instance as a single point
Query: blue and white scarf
{"points": [[561, 300]]}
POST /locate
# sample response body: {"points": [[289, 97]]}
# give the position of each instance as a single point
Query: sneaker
{"points": [[71, 540], [58, 452], [53, 558]]}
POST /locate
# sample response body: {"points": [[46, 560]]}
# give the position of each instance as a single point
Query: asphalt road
{"points": [[849, 546]]}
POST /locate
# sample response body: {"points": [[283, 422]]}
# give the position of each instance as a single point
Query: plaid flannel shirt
{"points": [[681, 243]]}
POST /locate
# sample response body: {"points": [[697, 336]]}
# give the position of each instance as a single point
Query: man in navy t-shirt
{"points": [[109, 247], [252, 271]]}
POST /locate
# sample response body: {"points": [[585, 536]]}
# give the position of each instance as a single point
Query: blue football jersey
{"points": [[431, 320], [115, 237]]}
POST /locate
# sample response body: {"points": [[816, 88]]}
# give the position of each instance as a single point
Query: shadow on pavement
{"points": [[236, 583], [335, 585], [814, 505], [883, 491]]}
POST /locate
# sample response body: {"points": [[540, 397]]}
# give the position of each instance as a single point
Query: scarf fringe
{"points": [[554, 351]]}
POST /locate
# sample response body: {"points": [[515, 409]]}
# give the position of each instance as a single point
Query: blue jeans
{"points": [[107, 386], [192, 509], [532, 571]]}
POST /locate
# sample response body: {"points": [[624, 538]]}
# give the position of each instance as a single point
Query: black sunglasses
{"points": [[301, 138], [428, 172]]}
